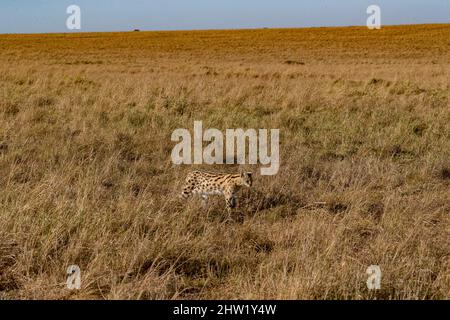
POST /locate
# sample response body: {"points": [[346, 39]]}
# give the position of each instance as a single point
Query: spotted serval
{"points": [[206, 183]]}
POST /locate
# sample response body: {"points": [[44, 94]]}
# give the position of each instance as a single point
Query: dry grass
{"points": [[86, 176]]}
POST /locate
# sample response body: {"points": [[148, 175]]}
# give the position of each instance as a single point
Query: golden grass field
{"points": [[86, 176]]}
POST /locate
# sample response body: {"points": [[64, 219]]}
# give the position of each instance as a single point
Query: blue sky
{"points": [[31, 16]]}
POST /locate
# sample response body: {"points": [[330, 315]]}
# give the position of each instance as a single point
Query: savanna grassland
{"points": [[86, 176]]}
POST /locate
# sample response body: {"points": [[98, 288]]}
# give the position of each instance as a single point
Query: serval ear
{"points": [[246, 174]]}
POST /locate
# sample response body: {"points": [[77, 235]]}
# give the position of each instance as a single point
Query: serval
{"points": [[207, 183]]}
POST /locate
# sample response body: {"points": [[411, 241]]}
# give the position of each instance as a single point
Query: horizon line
{"points": [[219, 29]]}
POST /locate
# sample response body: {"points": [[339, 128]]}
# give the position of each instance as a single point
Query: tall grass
{"points": [[86, 176]]}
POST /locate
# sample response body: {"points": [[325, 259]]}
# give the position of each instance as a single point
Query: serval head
{"points": [[247, 179]]}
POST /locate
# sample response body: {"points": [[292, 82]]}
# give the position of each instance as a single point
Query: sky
{"points": [[46, 16]]}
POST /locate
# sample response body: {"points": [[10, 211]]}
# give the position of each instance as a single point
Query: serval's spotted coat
{"points": [[206, 183]]}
